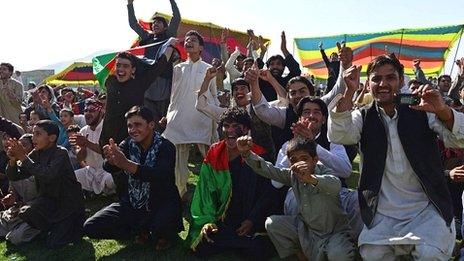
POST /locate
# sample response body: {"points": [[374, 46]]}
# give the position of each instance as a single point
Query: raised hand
{"points": [[252, 74], [210, 73], [351, 76], [283, 44], [416, 63], [431, 99], [129, 2], [460, 64], [266, 75], [224, 35], [345, 55], [303, 129], [244, 144]]}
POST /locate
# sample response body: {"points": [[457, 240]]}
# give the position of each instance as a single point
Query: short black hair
{"points": [[9, 66], [275, 57], [128, 56], [237, 115], [161, 19], [444, 76], [383, 60], [304, 81], [143, 112], [198, 35], [50, 127], [239, 81], [299, 144], [304, 100], [73, 128]]}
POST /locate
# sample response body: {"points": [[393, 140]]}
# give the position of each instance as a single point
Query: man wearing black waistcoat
{"points": [[404, 201]]}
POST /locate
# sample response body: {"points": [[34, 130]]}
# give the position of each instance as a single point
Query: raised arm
{"points": [[259, 165], [171, 31], [457, 84], [203, 103], [269, 114], [134, 24]]}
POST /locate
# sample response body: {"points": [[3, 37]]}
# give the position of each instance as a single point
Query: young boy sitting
{"points": [[59, 206], [320, 231]]}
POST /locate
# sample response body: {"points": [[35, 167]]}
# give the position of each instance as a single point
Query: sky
{"points": [[40, 33]]}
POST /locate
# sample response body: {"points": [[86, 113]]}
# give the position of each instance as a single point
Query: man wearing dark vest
{"points": [[404, 201], [282, 118]]}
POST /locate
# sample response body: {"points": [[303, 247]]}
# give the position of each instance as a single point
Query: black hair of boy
{"points": [[143, 112], [237, 115], [300, 106], [201, 41], [50, 127], [299, 144]]}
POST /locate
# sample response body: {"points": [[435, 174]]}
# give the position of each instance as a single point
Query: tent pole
{"points": [[456, 53], [401, 43]]}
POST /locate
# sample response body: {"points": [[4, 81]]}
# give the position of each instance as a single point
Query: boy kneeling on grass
{"points": [[320, 231], [58, 208]]}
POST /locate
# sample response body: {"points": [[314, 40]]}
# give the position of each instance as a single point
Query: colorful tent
{"points": [[103, 64], [430, 45], [78, 73], [211, 34]]}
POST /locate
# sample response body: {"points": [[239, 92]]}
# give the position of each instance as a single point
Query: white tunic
{"points": [[185, 124], [404, 213]]}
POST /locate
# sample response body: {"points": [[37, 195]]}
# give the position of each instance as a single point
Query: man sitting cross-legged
{"points": [[151, 202], [231, 202], [320, 231]]}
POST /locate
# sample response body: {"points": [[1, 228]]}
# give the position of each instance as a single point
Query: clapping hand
{"points": [[79, 140], [114, 155], [14, 150]]}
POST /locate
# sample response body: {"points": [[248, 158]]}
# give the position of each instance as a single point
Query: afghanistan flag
{"points": [[103, 65], [430, 45], [211, 34], [213, 191]]}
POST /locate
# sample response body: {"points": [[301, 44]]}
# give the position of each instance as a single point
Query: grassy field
{"points": [[90, 249]]}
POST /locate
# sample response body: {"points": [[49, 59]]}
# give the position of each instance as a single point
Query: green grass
{"points": [[90, 249]]}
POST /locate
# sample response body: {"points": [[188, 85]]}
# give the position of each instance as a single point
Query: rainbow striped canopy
{"points": [[78, 73], [430, 45]]}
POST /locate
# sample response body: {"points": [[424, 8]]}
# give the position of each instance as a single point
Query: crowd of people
{"points": [[277, 152]]}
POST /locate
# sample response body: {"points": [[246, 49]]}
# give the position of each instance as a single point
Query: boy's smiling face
{"points": [[41, 139]]}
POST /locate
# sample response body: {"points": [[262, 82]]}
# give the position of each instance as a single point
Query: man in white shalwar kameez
{"points": [[186, 125], [92, 177], [404, 201]]}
